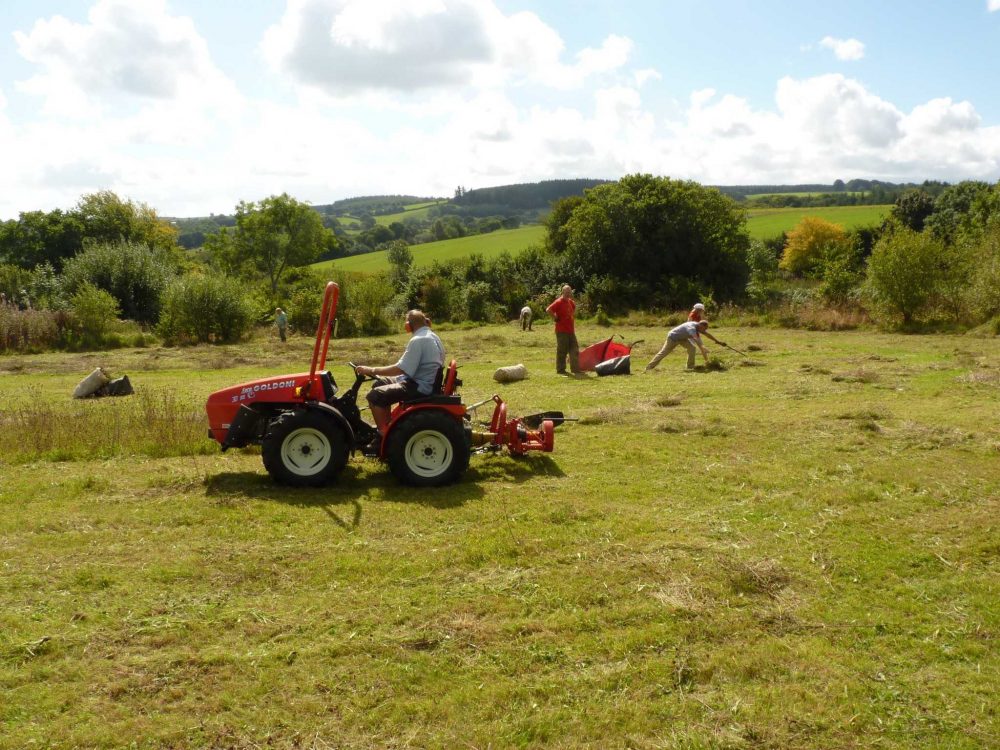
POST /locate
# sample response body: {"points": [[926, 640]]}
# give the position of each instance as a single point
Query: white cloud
{"points": [[349, 47], [129, 53], [844, 49], [992, 5], [489, 116]]}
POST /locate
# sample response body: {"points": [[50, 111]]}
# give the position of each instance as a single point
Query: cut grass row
{"points": [[762, 224], [797, 554]]}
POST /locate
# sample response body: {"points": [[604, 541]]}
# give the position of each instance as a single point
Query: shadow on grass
{"points": [[508, 468], [356, 483]]}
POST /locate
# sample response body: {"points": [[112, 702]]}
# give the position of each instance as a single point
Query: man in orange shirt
{"points": [[563, 312]]}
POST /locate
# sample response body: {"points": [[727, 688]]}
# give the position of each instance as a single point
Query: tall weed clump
{"points": [[202, 309], [32, 330], [153, 423]]}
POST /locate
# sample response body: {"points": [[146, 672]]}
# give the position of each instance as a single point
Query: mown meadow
{"points": [[797, 549]]}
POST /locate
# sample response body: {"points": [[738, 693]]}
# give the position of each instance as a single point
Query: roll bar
{"points": [[331, 296]]}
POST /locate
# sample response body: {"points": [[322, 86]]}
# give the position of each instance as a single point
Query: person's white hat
{"points": [[698, 306]]}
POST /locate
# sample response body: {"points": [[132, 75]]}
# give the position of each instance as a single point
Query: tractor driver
{"points": [[413, 375]]}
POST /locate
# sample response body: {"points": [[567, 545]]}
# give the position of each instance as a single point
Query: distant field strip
{"points": [[762, 223], [770, 222], [412, 211], [487, 245]]}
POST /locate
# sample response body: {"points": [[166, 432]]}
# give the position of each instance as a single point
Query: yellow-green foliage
{"points": [[808, 241]]}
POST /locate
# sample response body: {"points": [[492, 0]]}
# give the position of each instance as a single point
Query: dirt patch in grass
{"points": [[858, 376], [608, 415], [668, 401], [876, 414], [812, 369], [981, 377], [756, 577], [932, 437]]}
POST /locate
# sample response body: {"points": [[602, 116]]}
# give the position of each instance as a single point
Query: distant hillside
{"points": [[476, 211], [372, 205], [526, 195]]}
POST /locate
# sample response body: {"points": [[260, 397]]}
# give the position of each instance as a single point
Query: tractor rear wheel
{"points": [[428, 449], [304, 449]]}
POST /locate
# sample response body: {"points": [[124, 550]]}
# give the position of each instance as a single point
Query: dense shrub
{"points": [[984, 292], [364, 306], [132, 273], [903, 273], [205, 308], [14, 282], [809, 242], [94, 313]]}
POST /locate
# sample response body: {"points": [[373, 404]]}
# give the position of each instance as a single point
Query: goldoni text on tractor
{"points": [[307, 431]]}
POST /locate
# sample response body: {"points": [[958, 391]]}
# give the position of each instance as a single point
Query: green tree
{"points": [[37, 237], [953, 212], [912, 209], [105, 217], [400, 259], [903, 272], [270, 237], [663, 235]]}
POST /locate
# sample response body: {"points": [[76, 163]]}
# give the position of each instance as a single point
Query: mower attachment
{"points": [[515, 434]]}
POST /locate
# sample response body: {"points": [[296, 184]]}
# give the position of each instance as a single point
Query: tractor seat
{"points": [[444, 388], [328, 384]]}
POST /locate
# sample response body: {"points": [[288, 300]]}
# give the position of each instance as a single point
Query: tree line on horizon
{"points": [[640, 245]]}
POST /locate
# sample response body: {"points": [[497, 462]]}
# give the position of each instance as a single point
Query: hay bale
{"points": [[91, 384], [510, 374]]}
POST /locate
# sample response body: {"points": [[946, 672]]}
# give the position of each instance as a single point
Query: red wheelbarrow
{"points": [[602, 351]]}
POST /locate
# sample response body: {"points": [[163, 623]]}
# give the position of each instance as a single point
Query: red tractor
{"points": [[307, 431]]}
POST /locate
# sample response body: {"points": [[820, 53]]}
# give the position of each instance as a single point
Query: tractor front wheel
{"points": [[428, 449], [304, 449]]}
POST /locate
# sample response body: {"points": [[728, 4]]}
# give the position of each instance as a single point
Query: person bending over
{"points": [[686, 335], [412, 376]]}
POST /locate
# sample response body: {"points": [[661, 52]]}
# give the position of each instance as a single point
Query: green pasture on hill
{"points": [[489, 245], [806, 194], [770, 222], [762, 223], [798, 550], [412, 211]]}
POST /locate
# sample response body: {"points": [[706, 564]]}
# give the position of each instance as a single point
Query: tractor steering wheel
{"points": [[358, 374]]}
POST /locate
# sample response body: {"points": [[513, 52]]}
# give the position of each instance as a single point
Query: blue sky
{"points": [[192, 106]]}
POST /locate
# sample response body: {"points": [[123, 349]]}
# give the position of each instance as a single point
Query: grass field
{"points": [[412, 211], [770, 222], [762, 223], [799, 551], [487, 245], [805, 194]]}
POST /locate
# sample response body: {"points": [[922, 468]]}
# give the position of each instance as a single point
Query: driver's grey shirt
{"points": [[422, 358]]}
